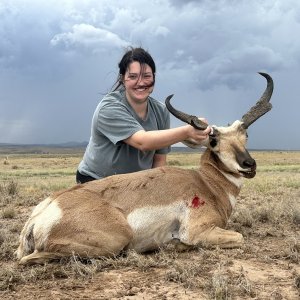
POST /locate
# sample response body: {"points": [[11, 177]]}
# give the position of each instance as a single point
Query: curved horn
{"points": [[262, 106], [192, 120]]}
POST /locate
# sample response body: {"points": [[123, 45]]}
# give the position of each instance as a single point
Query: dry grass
{"points": [[8, 213], [267, 214]]}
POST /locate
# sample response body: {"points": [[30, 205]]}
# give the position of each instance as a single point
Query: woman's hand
{"points": [[197, 135]]}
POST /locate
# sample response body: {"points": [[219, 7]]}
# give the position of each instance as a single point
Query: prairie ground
{"points": [[267, 214]]}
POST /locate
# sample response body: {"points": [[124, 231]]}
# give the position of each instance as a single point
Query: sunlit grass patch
{"points": [[184, 159], [48, 185], [174, 162], [280, 168], [271, 183], [16, 174], [293, 183], [258, 185]]}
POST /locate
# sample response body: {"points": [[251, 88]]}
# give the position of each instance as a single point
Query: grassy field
{"points": [[267, 214]]}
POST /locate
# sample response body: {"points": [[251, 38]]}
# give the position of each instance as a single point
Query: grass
{"points": [[11, 187], [8, 213], [267, 214]]}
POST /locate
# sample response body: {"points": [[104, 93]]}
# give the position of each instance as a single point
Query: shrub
{"points": [[12, 188], [174, 162], [8, 213]]}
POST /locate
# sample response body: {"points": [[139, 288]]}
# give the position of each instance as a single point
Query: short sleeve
{"points": [[116, 122]]}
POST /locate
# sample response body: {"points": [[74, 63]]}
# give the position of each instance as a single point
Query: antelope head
{"points": [[228, 144]]}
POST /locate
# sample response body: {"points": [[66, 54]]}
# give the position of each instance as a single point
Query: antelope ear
{"points": [[213, 142], [214, 137]]}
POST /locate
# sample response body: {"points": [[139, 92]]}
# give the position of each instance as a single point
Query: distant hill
{"points": [[77, 147], [68, 147], [7, 148], [58, 145]]}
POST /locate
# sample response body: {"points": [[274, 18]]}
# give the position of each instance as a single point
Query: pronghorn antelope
{"points": [[148, 209]]}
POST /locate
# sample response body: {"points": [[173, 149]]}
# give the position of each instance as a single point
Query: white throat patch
{"points": [[238, 182]]}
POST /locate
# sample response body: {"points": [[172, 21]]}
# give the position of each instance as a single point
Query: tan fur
{"points": [[143, 210]]}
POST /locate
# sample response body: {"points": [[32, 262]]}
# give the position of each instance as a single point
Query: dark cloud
{"points": [[58, 57]]}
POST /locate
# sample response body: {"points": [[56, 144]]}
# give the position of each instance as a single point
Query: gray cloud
{"points": [[85, 36], [58, 57]]}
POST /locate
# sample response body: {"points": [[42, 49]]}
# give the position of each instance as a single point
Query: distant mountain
{"points": [[39, 148], [68, 147], [58, 145]]}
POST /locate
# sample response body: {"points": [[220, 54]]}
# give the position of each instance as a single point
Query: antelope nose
{"points": [[249, 163]]}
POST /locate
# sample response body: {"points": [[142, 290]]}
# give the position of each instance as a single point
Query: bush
{"points": [[8, 213]]}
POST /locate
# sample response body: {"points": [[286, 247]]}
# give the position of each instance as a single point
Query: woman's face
{"points": [[138, 82]]}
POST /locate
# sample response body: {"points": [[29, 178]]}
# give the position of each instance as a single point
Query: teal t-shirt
{"points": [[114, 120]]}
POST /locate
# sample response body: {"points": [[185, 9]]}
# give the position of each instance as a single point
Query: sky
{"points": [[58, 58]]}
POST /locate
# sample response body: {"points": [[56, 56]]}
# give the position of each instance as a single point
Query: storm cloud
{"points": [[58, 58]]}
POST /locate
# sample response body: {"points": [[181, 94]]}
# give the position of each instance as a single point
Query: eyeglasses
{"points": [[135, 77]]}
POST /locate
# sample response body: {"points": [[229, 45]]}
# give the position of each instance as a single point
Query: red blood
{"points": [[196, 202]]}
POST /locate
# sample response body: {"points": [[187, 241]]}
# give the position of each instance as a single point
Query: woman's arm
{"points": [[159, 160], [158, 139]]}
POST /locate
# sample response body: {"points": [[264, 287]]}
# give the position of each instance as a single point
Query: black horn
{"points": [[192, 120], [262, 106]]}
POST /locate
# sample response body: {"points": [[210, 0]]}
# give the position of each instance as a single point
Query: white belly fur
{"points": [[154, 226]]}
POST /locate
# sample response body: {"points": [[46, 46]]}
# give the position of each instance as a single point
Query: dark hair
{"points": [[134, 54]]}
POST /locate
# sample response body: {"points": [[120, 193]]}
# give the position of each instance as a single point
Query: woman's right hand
{"points": [[198, 135]]}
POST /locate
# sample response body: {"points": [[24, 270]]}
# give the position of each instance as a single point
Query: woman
{"points": [[131, 130]]}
